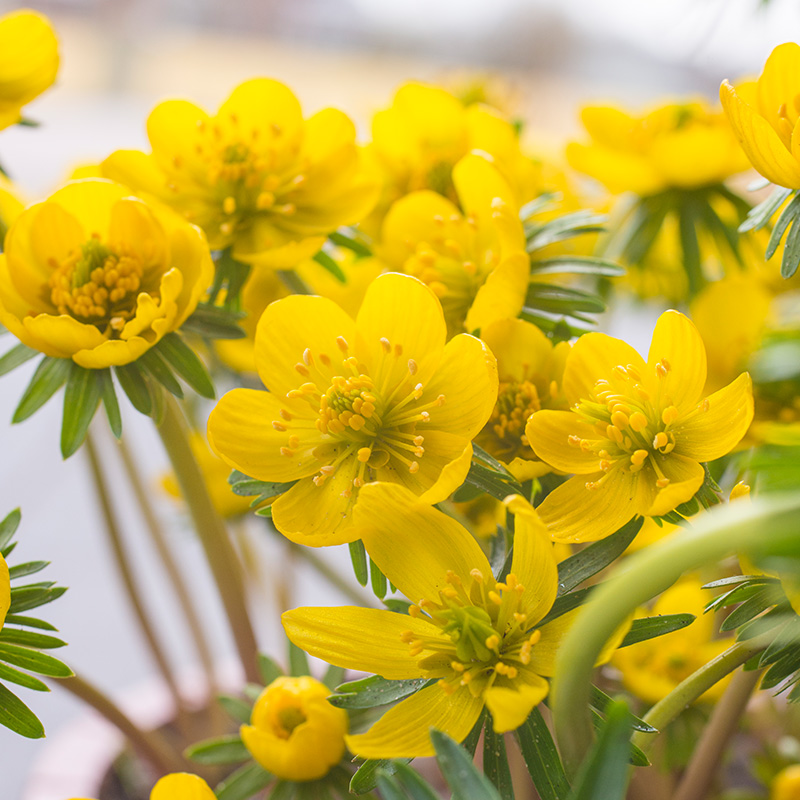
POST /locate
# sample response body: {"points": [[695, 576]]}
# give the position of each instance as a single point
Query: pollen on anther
{"points": [[342, 343], [285, 451], [285, 414], [414, 468], [279, 426], [363, 454], [662, 483], [412, 366], [386, 344]]}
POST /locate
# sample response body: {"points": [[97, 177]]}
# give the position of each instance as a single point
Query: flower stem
{"points": [[151, 745], [721, 727], [722, 530], [213, 535], [134, 592]]}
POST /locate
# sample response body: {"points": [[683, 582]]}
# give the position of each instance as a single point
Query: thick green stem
{"points": [[134, 592], [151, 745], [213, 535], [752, 527]]}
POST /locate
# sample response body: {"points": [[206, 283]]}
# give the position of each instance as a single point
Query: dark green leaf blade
{"points": [[374, 691], [135, 387], [541, 758], [187, 364], [16, 716], [40, 663], [110, 402], [649, 627], [50, 376], [462, 776], [221, 750], [81, 399], [15, 357], [244, 783], [495, 763], [8, 527]]}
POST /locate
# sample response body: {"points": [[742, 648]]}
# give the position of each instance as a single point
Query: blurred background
{"points": [[119, 57]]}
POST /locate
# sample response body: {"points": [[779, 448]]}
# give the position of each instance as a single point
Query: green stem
{"points": [[151, 745], [134, 592], [752, 527], [721, 727], [213, 535], [293, 282]]}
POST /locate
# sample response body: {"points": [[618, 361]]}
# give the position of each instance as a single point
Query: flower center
{"points": [[288, 719], [97, 284], [788, 115], [360, 422], [516, 401], [486, 637]]}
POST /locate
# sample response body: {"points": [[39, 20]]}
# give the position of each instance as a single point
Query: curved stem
{"points": [[134, 592], [723, 530], [151, 745], [220, 555], [721, 727]]}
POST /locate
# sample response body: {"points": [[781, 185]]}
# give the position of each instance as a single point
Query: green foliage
{"points": [[230, 277], [650, 627], [541, 758], [221, 750], [244, 783], [261, 491], [487, 474], [212, 322], [375, 691], [327, 263], [462, 776]]}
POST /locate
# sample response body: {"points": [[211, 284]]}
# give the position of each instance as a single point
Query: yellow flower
{"points": [[479, 638], [786, 785], [652, 669], [5, 590], [179, 786], [678, 145], [99, 276], [764, 116], [10, 206], [28, 61], [256, 176], [636, 432], [378, 398], [474, 261], [295, 733], [531, 370]]}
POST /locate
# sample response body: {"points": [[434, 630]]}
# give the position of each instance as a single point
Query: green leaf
{"points": [[388, 787], [110, 403], [15, 357], [152, 363], [791, 250], [298, 661], [462, 776], [415, 785], [81, 399], [636, 757], [562, 300], [26, 598], [787, 217], [333, 676], [221, 750], [358, 557], [541, 758], [40, 663], [22, 679], [50, 376], [327, 263], [285, 790], [135, 387], [752, 607], [235, 708], [268, 669], [377, 580], [374, 691], [8, 527], [566, 603], [30, 639], [604, 773], [31, 622], [186, 363], [16, 716], [211, 322], [650, 627], [495, 763], [592, 559], [690, 248], [491, 482], [600, 700], [365, 778], [759, 216], [577, 265], [349, 242], [244, 783]]}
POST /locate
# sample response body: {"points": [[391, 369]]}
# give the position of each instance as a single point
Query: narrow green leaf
{"points": [[30, 639], [235, 708], [81, 399], [16, 716], [495, 763], [791, 250], [374, 691], [636, 757], [415, 785], [600, 700], [576, 569], [358, 556], [750, 608], [211, 322], [577, 265], [333, 676], [786, 218], [40, 663], [152, 363], [50, 376], [158, 401], [349, 242], [221, 750], [365, 778], [135, 387], [735, 579], [110, 402], [690, 248], [298, 661], [491, 482], [186, 363], [24, 599], [388, 787], [268, 669], [541, 758], [560, 299], [377, 580], [8, 527], [284, 790], [31, 622], [327, 263], [650, 627], [15, 357], [462, 776], [566, 603], [759, 216], [244, 783], [22, 679]]}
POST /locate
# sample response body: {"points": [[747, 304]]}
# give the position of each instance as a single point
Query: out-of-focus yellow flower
{"points": [[351, 401], [677, 145], [99, 276], [481, 515], [531, 370], [28, 61], [764, 116], [179, 786], [636, 432], [295, 733], [487, 88], [473, 257], [256, 176], [652, 669], [10, 206], [786, 785], [5, 590], [479, 637], [216, 473]]}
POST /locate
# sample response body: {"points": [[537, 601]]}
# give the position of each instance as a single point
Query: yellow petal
{"points": [[413, 544], [281, 342], [134, 225], [704, 435], [137, 170], [510, 707], [363, 639], [618, 171], [479, 185], [764, 148], [91, 201], [63, 335], [677, 340], [454, 462], [173, 128], [5, 590], [549, 432], [685, 478], [777, 86], [402, 732], [181, 786], [112, 353], [574, 513], [241, 433], [502, 295], [520, 348], [608, 125]]}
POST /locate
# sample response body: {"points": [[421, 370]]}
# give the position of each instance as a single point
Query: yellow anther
{"points": [[363, 454], [592, 485], [414, 468], [638, 421], [495, 598], [302, 369], [386, 345], [614, 433], [229, 205], [357, 422], [412, 366], [417, 391], [418, 440], [414, 611], [605, 464], [619, 420], [457, 666], [279, 426], [641, 391], [226, 229], [620, 371], [669, 415], [662, 483], [639, 457], [447, 688], [328, 469], [342, 343], [476, 575], [518, 617], [553, 389], [705, 405], [574, 440], [661, 369], [285, 451], [294, 442], [633, 372], [265, 200], [660, 439], [622, 408], [492, 642]]}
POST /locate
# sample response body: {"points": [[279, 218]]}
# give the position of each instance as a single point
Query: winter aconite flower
{"points": [[28, 61], [180, 786], [255, 176], [10, 206], [350, 401], [98, 276], [786, 784], [636, 432], [295, 733], [483, 641], [765, 116], [472, 256], [5, 590]]}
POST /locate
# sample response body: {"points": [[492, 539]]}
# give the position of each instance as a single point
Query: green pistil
{"points": [[469, 628], [290, 718], [93, 255]]}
